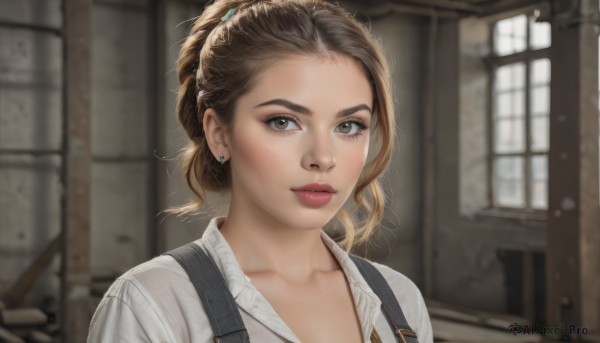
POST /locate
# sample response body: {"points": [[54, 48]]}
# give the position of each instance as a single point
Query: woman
{"points": [[280, 100]]}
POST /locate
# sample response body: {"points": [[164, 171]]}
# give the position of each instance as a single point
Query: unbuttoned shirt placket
{"points": [[367, 304]]}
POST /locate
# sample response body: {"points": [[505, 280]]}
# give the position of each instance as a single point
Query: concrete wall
{"points": [[121, 139], [467, 269], [398, 242], [31, 119], [174, 231]]}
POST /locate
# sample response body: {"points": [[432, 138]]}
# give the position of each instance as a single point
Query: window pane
{"points": [[503, 105], [518, 103], [539, 35], [503, 45], [539, 133], [509, 35], [504, 27], [519, 43], [539, 182], [509, 135], [511, 76], [519, 27], [540, 72], [509, 104], [509, 182], [540, 100]]}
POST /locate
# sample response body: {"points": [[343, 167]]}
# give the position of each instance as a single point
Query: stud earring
{"points": [[222, 159]]}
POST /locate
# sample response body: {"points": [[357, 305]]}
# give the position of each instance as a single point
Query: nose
{"points": [[319, 155]]}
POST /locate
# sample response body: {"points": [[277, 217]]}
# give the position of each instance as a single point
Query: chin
{"points": [[310, 219]]}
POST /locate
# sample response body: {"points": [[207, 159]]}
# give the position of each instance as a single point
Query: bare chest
{"points": [[320, 311]]}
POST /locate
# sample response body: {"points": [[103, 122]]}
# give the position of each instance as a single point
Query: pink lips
{"points": [[314, 194]]}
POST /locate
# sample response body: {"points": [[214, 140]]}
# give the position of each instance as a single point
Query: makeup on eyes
{"points": [[306, 111], [293, 119]]}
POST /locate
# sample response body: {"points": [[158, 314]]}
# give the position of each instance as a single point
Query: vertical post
{"points": [[573, 257], [161, 178], [76, 170], [429, 185]]}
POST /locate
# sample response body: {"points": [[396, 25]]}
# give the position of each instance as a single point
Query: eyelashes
{"points": [[356, 126]]}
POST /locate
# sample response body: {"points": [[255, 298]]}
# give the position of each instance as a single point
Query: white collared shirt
{"points": [[156, 302]]}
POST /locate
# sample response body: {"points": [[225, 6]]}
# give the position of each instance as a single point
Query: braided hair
{"points": [[226, 50]]}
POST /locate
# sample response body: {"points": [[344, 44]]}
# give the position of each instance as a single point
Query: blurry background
{"points": [[494, 205]]}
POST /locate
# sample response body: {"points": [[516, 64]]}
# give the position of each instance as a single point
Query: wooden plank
{"points": [[76, 170], [449, 331], [8, 337], [444, 4], [468, 316], [23, 317], [37, 336]]}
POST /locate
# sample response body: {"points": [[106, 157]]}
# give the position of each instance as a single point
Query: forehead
{"points": [[319, 82]]}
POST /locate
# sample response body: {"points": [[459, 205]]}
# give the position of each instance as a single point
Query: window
{"points": [[520, 98]]}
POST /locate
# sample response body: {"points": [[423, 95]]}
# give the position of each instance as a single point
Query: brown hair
{"points": [[219, 62]]}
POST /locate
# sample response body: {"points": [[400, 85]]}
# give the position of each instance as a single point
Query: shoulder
{"points": [[154, 286], [138, 303], [158, 271], [141, 283]]}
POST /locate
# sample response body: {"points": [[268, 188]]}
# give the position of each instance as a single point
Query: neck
{"points": [[262, 244]]}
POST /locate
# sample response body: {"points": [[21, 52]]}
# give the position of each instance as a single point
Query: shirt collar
{"points": [[247, 296]]}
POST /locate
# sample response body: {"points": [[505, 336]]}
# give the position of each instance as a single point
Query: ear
{"points": [[216, 134]]}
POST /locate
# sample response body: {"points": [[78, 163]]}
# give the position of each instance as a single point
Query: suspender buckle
{"points": [[402, 332], [407, 333]]}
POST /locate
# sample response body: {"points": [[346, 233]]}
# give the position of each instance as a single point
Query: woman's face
{"points": [[306, 121]]}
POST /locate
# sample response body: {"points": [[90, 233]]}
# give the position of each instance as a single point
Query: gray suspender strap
{"points": [[224, 316], [219, 305], [389, 303]]}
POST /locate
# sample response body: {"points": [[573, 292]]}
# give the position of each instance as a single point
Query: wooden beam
{"points": [[375, 12], [161, 174], [76, 170], [17, 292], [504, 6], [573, 257], [443, 4]]}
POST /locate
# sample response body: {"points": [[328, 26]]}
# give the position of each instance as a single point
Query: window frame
{"points": [[493, 62]]}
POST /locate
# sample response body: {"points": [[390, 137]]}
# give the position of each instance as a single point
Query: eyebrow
{"points": [[304, 110]]}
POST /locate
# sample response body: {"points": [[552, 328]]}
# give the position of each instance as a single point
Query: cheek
{"points": [[257, 155], [354, 159]]}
